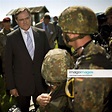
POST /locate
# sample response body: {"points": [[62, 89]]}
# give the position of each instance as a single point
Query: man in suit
{"points": [[22, 71], [49, 29]]}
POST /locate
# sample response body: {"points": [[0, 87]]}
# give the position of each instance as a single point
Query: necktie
{"points": [[46, 29], [30, 45]]}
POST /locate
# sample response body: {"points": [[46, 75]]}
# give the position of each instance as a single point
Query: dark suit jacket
{"points": [[21, 71], [51, 34]]}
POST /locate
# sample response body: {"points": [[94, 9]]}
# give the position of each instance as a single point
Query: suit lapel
{"points": [[36, 37], [22, 43], [21, 40]]}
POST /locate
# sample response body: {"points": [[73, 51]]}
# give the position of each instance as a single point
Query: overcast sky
{"points": [[55, 7]]}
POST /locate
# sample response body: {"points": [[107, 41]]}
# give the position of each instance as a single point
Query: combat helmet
{"points": [[108, 11], [78, 19], [55, 65]]}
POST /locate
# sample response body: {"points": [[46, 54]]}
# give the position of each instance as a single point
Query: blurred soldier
{"points": [[108, 14], [6, 25], [103, 36], [90, 94], [5, 30], [1, 25], [49, 29], [54, 71]]}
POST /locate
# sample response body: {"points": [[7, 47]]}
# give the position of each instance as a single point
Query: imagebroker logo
{"points": [[89, 73]]}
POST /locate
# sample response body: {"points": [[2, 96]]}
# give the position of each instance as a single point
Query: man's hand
{"points": [[14, 92]]}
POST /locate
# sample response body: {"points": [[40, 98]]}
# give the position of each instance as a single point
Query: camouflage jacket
{"points": [[59, 101], [93, 94], [2, 42], [3, 34]]}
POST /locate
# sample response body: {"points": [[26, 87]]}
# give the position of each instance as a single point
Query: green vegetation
{"points": [[6, 101]]}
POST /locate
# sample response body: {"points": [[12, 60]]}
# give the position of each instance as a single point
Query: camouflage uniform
{"points": [[60, 102], [2, 42], [108, 14], [93, 94], [3, 34], [90, 94], [54, 71]]}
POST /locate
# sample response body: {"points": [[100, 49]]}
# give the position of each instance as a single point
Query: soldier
{"points": [[5, 30], [90, 94], [54, 71], [108, 14]]}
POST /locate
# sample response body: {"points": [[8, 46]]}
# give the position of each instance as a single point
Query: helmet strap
{"points": [[73, 39], [78, 37], [75, 53]]}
